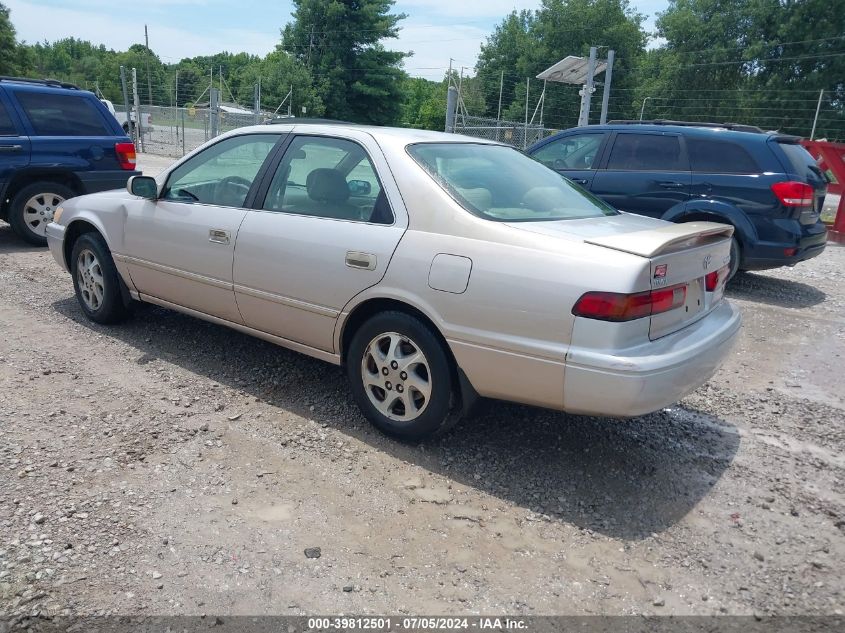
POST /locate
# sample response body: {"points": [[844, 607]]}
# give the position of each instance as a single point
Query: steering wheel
{"points": [[231, 191]]}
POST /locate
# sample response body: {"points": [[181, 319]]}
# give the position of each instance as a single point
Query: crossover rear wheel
{"points": [[33, 207], [401, 376]]}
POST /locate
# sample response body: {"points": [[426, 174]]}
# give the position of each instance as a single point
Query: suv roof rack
{"points": [[53, 83], [737, 127]]}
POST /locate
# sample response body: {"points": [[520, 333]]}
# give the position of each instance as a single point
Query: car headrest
{"points": [[327, 185]]}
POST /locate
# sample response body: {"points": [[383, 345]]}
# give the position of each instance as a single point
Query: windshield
{"points": [[499, 183]]}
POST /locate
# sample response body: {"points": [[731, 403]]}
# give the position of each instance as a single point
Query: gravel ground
{"points": [[170, 466]]}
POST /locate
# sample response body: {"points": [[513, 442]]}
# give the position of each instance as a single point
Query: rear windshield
{"points": [[800, 159], [500, 183]]}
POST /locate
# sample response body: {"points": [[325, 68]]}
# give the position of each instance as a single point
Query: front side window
{"points": [[328, 178], [500, 183], [7, 128], [646, 152], [62, 115], [571, 152], [223, 174]]}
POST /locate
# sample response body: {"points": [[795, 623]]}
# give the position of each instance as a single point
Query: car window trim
{"points": [[250, 196], [683, 156], [270, 173]]}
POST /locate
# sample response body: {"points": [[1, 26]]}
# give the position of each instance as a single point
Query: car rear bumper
{"points": [[56, 242], [655, 375], [809, 241], [97, 181]]}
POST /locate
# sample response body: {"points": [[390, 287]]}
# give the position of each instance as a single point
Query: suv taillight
{"points": [[794, 194], [125, 155], [615, 306]]}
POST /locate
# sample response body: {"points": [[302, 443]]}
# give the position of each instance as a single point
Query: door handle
{"points": [[580, 181], [11, 148], [218, 236], [364, 261], [672, 185]]}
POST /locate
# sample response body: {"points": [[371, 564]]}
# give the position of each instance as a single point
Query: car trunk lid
{"points": [[681, 256]]}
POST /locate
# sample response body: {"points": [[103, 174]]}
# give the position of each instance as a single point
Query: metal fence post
{"points": [[213, 111], [587, 90], [608, 75], [257, 107], [183, 132], [126, 110], [451, 108], [139, 129]]}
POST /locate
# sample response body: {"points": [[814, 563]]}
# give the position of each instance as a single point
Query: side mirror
{"points": [[143, 187], [359, 188]]}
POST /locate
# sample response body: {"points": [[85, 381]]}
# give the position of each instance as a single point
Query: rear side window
{"points": [[7, 128], [646, 152], [62, 115], [720, 157], [800, 159]]}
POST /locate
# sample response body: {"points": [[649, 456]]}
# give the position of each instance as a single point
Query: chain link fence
{"points": [[171, 131], [513, 133]]}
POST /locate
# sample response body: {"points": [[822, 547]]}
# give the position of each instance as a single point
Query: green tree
{"points": [[528, 42], [339, 41], [8, 45], [761, 62]]}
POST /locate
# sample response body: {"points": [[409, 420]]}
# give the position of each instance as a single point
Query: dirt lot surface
{"points": [[170, 466]]}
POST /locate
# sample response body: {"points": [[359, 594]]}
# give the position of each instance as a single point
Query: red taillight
{"points": [[794, 194], [125, 153], [713, 280], [615, 306]]}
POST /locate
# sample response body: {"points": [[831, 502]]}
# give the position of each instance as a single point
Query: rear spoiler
{"points": [[666, 239]]}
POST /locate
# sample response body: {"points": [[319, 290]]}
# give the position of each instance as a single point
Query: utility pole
{"points": [[310, 46], [149, 79]]}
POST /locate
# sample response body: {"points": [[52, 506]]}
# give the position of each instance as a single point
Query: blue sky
{"points": [[435, 30]]}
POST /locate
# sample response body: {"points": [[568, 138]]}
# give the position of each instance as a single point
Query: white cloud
{"points": [[433, 46], [472, 10]]}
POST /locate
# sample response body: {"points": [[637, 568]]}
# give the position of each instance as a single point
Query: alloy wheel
{"points": [[89, 277], [396, 376], [38, 211]]}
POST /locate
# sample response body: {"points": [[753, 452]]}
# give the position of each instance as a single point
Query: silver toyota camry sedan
{"points": [[434, 267]]}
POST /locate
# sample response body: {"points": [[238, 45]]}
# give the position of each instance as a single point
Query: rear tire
{"points": [[96, 281], [33, 207], [401, 376]]}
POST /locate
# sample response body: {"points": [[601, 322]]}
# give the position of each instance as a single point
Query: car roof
{"points": [[733, 131], [394, 134], [23, 84]]}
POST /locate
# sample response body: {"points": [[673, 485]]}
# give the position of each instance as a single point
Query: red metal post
{"points": [[831, 157]]}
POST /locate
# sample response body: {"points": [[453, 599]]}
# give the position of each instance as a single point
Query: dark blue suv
{"points": [[56, 142], [764, 184]]}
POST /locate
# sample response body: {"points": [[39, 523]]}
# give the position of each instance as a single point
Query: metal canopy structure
{"points": [[571, 70]]}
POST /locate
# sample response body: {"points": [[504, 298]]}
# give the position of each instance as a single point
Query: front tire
{"points": [[96, 281], [401, 376], [33, 207]]}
